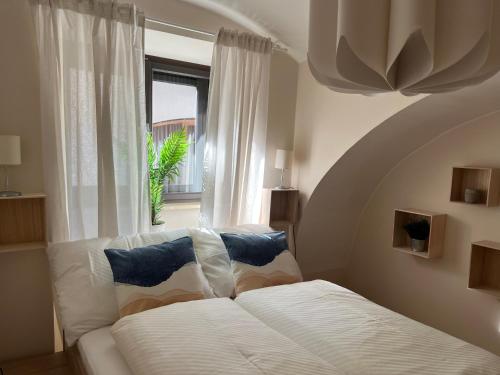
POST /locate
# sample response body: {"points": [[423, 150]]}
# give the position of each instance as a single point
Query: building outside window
{"points": [[177, 96], [177, 80]]}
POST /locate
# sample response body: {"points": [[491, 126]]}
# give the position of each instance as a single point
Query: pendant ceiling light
{"points": [[414, 46]]}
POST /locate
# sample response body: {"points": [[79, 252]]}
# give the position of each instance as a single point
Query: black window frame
{"points": [[199, 72]]}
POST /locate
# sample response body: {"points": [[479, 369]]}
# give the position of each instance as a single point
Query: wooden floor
{"points": [[54, 364]]}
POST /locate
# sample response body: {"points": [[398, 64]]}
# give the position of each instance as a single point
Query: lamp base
{"points": [[8, 193], [281, 187]]}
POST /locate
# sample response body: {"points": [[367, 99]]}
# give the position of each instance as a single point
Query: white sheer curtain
{"points": [[93, 117], [236, 130]]}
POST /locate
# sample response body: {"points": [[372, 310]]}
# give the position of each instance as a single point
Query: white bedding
{"points": [[306, 328], [360, 337], [100, 355], [213, 336]]}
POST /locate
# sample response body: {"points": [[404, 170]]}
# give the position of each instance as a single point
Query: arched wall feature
{"points": [[433, 291], [330, 219], [328, 123]]}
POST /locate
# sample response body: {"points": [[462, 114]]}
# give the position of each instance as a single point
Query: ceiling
{"points": [[177, 47], [284, 21]]}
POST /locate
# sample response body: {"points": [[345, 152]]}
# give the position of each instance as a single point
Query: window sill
{"points": [[182, 205]]}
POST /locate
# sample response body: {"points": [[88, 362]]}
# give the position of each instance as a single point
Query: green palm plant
{"points": [[163, 167]]}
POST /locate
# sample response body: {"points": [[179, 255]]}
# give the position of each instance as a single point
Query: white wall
{"points": [[19, 92], [281, 118], [328, 123], [433, 291], [23, 276]]}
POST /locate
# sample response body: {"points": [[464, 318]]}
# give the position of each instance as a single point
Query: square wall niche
{"points": [[485, 180], [283, 206], [402, 242], [484, 271]]}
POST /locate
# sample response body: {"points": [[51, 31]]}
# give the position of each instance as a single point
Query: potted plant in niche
{"points": [[419, 234], [163, 164]]}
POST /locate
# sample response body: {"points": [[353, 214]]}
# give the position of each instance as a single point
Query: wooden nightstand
{"points": [[280, 211], [24, 279], [53, 364]]}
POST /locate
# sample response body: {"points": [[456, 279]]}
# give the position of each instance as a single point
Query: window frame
{"points": [[181, 68]]}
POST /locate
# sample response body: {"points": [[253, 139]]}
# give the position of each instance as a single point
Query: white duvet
{"points": [[306, 328], [213, 336], [361, 337]]}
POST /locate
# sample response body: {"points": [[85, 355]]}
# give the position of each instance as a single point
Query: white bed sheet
{"points": [[100, 354], [361, 337]]}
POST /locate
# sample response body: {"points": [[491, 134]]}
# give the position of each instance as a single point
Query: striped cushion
{"points": [[260, 260]]}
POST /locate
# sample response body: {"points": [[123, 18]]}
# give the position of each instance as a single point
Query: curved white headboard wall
{"points": [[330, 219]]}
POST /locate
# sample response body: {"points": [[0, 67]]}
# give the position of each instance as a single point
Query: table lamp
{"points": [[283, 161], [10, 154]]}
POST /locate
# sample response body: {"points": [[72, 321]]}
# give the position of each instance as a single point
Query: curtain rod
{"points": [[276, 46], [206, 33]]}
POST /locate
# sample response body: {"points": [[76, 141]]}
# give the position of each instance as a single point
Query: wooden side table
{"points": [[280, 208], [26, 313]]}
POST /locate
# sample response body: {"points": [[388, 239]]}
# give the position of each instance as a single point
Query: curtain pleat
{"points": [[93, 117], [236, 130]]}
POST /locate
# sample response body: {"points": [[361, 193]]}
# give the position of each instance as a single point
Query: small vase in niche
{"points": [[418, 245], [472, 196]]}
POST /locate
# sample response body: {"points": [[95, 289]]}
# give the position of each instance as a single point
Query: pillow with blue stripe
{"points": [[157, 275], [260, 260]]}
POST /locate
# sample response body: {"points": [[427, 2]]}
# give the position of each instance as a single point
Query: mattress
{"points": [[100, 355]]}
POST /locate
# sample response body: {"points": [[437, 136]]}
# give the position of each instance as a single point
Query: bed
{"points": [[323, 327], [99, 354], [306, 328]]}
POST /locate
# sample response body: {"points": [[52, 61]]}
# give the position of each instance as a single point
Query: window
{"points": [[176, 98]]}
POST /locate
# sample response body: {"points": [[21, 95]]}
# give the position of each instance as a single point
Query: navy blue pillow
{"points": [[151, 265], [255, 249]]}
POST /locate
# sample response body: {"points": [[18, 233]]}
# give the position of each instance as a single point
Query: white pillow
{"points": [[84, 292], [81, 306], [83, 281], [214, 259]]}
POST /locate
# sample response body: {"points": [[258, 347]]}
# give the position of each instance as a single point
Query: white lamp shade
{"points": [[413, 46], [283, 159], [10, 150]]}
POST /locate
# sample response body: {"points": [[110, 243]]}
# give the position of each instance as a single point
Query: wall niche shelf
{"points": [[22, 223], [485, 180], [402, 242], [484, 273]]}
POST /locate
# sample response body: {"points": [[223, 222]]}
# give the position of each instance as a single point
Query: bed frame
{"points": [[76, 361]]}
